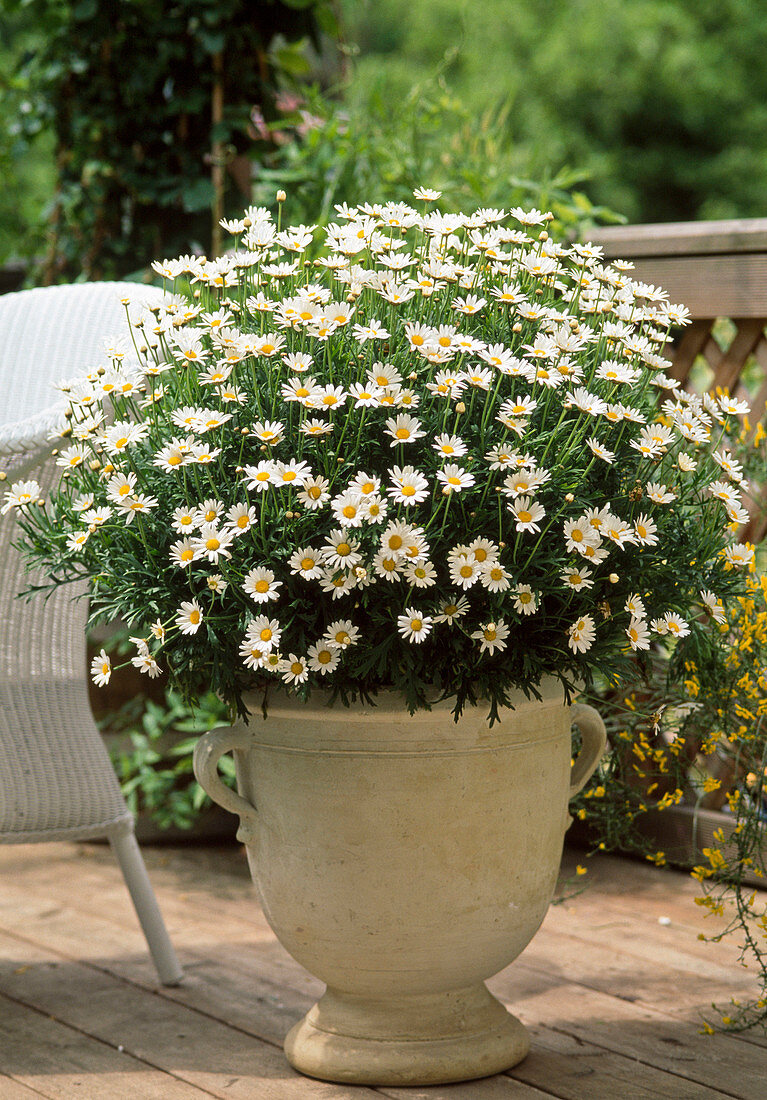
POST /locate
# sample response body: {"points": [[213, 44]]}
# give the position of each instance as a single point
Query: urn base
{"points": [[418, 1039]]}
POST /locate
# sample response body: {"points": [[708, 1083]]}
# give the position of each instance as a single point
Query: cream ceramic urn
{"points": [[403, 859]]}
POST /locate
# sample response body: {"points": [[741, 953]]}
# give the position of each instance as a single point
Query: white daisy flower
{"points": [[676, 625], [189, 617], [292, 472], [739, 554], [525, 600], [413, 625], [526, 512], [268, 431], [577, 577], [22, 493], [638, 634], [600, 450], [146, 663], [449, 445], [635, 606], [261, 476], [579, 533], [182, 553], [341, 633], [101, 669], [464, 572], [323, 658], [388, 566], [348, 508], [295, 670], [240, 518], [420, 575], [494, 577], [340, 551], [403, 429], [714, 606], [645, 531], [306, 563], [313, 493], [450, 610], [260, 585], [314, 427], [217, 584], [374, 509], [409, 486], [264, 632], [580, 636], [213, 542], [454, 478], [659, 493], [491, 636]]}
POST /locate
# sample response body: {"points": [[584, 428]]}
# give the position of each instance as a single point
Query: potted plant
{"points": [[395, 494]]}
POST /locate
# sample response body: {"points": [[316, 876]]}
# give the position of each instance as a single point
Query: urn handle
{"points": [[594, 739], [207, 753]]}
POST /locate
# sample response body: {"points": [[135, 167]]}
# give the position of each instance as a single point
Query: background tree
{"points": [[150, 105]]}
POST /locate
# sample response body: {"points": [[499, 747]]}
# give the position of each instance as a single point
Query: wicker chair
{"points": [[56, 779]]}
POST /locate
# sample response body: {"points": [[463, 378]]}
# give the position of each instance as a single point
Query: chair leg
{"points": [[126, 849]]}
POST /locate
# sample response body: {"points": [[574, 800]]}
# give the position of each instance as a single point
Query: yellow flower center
{"points": [[343, 549], [307, 563], [265, 635], [212, 544], [576, 535], [403, 433], [416, 625], [349, 511], [389, 564], [315, 492], [466, 570], [296, 668], [175, 459], [288, 475], [417, 340], [324, 656], [496, 574], [342, 637], [524, 516], [194, 617], [263, 475], [408, 490], [242, 522], [187, 555], [261, 586]]}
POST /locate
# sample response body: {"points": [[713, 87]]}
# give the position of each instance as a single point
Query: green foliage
{"points": [[128, 94], [155, 772], [331, 150], [662, 102]]}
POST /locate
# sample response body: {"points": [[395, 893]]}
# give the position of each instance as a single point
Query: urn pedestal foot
{"points": [[419, 1039]]}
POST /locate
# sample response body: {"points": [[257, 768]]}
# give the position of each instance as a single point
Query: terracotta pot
{"points": [[403, 860]]}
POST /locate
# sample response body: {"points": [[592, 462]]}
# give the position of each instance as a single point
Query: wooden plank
{"points": [[47, 1058], [689, 238], [709, 286], [575, 1069], [490, 1088], [646, 1036], [13, 1090], [170, 1037], [691, 345]]}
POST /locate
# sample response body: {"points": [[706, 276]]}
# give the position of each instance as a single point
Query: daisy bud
{"points": [[66, 433], [614, 578], [3, 475], [568, 497], [460, 407], [517, 327], [281, 196], [243, 431], [543, 236], [94, 464], [197, 293]]}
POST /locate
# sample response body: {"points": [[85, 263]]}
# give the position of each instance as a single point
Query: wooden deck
{"points": [[610, 988]]}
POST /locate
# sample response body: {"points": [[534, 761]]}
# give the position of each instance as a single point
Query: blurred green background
{"points": [[647, 110]]}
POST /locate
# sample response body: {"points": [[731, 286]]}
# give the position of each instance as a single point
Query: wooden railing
{"points": [[719, 271]]}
